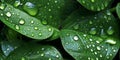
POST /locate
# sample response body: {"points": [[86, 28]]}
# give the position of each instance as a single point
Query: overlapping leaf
{"points": [[88, 47], [35, 52], [24, 24], [118, 10], [95, 5], [48, 11], [101, 24]]}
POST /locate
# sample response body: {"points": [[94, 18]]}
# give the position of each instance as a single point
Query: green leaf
{"points": [[95, 5], [83, 46], [48, 11], [24, 24], [101, 24], [118, 10], [35, 52]]}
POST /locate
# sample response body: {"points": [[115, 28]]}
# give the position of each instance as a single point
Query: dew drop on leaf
{"points": [[44, 22], [49, 29], [75, 38], [110, 30], [93, 31], [30, 8], [92, 0], [36, 28], [42, 54], [76, 26], [98, 48], [17, 27], [22, 58], [16, 3], [2, 6], [8, 14], [21, 22], [110, 41]]}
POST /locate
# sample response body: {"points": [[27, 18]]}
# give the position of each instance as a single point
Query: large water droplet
{"points": [[21, 22], [75, 38], [2, 6], [36, 28], [8, 14], [110, 41], [17, 27], [93, 31], [110, 30], [30, 8], [16, 3]]}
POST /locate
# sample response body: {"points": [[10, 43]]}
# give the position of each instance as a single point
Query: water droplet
{"points": [[56, 1], [36, 28], [75, 38], [49, 29], [49, 59], [76, 26], [93, 31], [90, 39], [44, 22], [22, 58], [110, 41], [91, 50], [110, 30], [32, 21], [2, 6], [92, 0], [97, 41], [32, 35], [42, 54], [108, 13], [95, 53], [40, 34], [98, 9], [49, 9], [21, 22], [17, 27], [114, 50], [1, 14], [30, 8], [100, 55], [92, 7], [97, 59], [16, 3], [83, 1], [8, 14], [98, 48], [90, 22], [57, 56]]}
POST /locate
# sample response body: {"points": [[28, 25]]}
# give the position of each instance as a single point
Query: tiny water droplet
{"points": [[110, 30], [98, 48], [93, 31], [110, 41], [100, 55], [36, 28], [44, 22], [75, 38], [30, 8], [42, 54], [92, 7], [1, 14], [83, 1], [50, 29], [22, 58], [32, 35], [92, 0], [76, 27], [32, 21], [8, 14], [49, 9], [40, 34], [57, 56], [90, 22], [49, 59], [21, 22], [16, 3], [17, 27], [56, 1], [2, 6]]}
